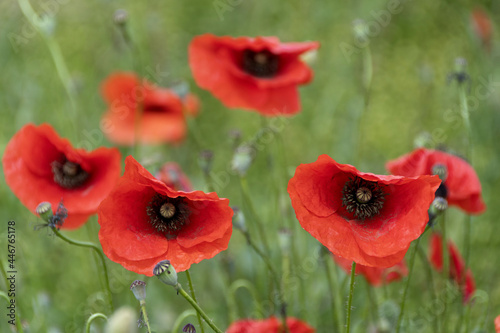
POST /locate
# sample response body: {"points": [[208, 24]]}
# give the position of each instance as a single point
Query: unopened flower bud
{"points": [[166, 273], [205, 160], [242, 159], [189, 328], [139, 289], [44, 210], [439, 204], [360, 29], [239, 220], [120, 17]]}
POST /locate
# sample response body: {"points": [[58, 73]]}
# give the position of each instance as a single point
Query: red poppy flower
{"points": [[482, 27], [366, 218], [40, 166], [497, 324], [143, 221], [270, 325], [251, 73], [161, 119], [374, 275], [461, 185], [457, 272], [173, 176]]}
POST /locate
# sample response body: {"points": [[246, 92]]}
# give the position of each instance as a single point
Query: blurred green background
{"points": [[58, 285]]}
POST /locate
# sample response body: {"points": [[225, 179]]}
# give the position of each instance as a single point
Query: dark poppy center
{"points": [[364, 199], [168, 215], [262, 64], [155, 108], [69, 174]]}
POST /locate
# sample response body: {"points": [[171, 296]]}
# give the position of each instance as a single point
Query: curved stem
{"points": [[182, 316], [402, 306], [92, 318], [101, 257], [241, 283], [194, 298], [145, 315], [349, 301], [195, 305]]}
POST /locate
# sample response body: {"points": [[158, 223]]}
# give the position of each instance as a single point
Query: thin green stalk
{"points": [[349, 301], [195, 305], [145, 315], [332, 285], [19, 326], [248, 200], [445, 271], [177, 325], [193, 295], [407, 284], [101, 257], [92, 318]]}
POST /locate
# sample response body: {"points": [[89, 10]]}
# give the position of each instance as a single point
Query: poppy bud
{"points": [[439, 205], [242, 159], [44, 210], [166, 273], [205, 160], [189, 328], [360, 29], [239, 220], [139, 289], [120, 17]]}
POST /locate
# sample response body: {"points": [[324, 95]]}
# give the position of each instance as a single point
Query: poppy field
{"points": [[241, 166]]}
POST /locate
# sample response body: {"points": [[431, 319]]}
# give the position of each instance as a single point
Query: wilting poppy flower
{"points": [[457, 272], [143, 221], [374, 275], [497, 324], [270, 325], [173, 176], [362, 217], [482, 27], [158, 111], [259, 73], [461, 186], [40, 166]]}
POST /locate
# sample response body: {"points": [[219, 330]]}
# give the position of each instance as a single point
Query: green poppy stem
{"points": [[407, 284], [195, 305], [193, 295], [92, 318], [101, 257], [349, 301], [177, 324], [145, 315], [19, 326]]}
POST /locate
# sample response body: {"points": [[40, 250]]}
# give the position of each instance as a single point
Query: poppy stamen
{"points": [[262, 64], [69, 174], [168, 215], [363, 198]]}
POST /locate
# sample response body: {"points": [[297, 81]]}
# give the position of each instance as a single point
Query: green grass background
{"points": [[57, 284]]}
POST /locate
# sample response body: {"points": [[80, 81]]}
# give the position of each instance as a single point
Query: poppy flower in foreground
{"points": [[270, 325], [159, 111], [172, 175], [259, 73], [41, 166], [457, 272], [374, 275], [461, 186], [143, 221], [362, 217]]}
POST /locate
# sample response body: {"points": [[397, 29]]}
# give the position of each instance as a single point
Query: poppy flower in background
{"points": [[143, 221], [259, 73], [173, 176], [362, 217], [482, 27], [497, 324], [270, 325], [374, 275], [191, 104], [461, 186], [457, 272], [161, 119], [41, 166]]}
